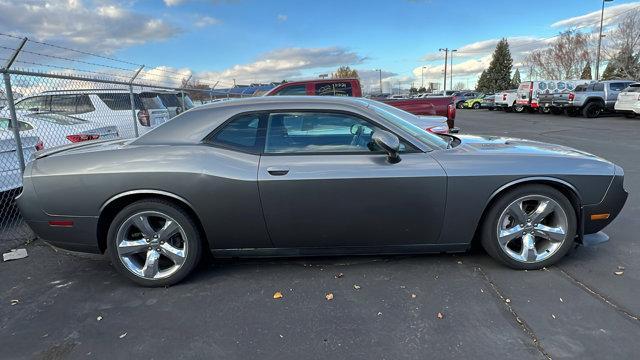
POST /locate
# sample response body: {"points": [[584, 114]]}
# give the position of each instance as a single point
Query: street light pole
{"points": [[446, 53], [423, 76], [380, 71], [600, 41], [451, 69]]}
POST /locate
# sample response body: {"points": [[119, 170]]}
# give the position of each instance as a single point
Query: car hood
{"points": [[505, 145]]}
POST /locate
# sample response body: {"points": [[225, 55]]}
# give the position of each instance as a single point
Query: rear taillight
{"points": [[143, 117], [571, 96], [440, 129], [82, 137], [504, 97], [39, 145]]}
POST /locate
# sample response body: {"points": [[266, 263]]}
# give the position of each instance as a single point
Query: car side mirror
{"points": [[389, 143]]}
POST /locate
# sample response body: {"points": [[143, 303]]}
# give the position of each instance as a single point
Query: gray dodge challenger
{"points": [[301, 176]]}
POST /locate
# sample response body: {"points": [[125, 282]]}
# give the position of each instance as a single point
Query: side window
{"points": [[37, 103], [312, 132], [598, 87], [64, 104], [120, 101], [293, 90], [618, 86], [242, 134], [84, 105], [334, 89]]}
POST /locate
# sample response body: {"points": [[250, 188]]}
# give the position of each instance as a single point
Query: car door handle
{"points": [[277, 171]]}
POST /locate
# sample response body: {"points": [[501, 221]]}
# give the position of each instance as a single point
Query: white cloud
{"points": [[72, 23], [592, 19], [204, 21], [282, 18], [173, 2]]}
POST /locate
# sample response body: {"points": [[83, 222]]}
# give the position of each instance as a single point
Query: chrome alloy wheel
{"points": [[152, 245], [532, 228]]}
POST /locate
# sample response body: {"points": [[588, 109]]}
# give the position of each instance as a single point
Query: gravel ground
{"points": [[55, 304]]}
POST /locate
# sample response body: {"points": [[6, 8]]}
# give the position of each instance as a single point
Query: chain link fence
{"points": [[46, 105]]}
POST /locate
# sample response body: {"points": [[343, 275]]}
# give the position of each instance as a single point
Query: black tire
{"points": [[489, 237], [556, 111], [476, 105], [518, 108], [460, 105], [508, 109], [592, 110], [629, 115], [491, 109], [545, 110], [181, 217], [572, 112]]}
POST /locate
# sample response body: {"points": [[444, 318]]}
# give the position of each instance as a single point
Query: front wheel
{"points": [[154, 243], [476, 106], [518, 108], [530, 227]]}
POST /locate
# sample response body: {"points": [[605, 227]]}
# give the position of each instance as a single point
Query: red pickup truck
{"points": [[440, 106]]}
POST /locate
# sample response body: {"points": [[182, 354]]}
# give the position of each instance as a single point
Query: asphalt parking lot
{"points": [[55, 304]]}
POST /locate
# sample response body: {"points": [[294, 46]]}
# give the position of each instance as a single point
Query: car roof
{"points": [[87, 91]]}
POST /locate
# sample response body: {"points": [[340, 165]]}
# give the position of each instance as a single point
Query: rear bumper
{"points": [[81, 236], [628, 108]]}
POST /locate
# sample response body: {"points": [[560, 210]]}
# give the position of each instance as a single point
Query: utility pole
{"points": [[451, 69], [424, 67], [600, 41], [446, 54]]}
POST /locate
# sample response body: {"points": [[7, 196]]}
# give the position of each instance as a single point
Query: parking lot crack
{"points": [[518, 319], [595, 293]]}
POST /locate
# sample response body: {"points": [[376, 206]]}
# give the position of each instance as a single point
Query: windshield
{"points": [[401, 119]]}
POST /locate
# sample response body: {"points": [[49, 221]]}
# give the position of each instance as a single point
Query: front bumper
{"points": [[593, 219]]}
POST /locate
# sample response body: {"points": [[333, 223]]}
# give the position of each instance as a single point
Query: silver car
{"points": [[10, 176], [297, 176]]}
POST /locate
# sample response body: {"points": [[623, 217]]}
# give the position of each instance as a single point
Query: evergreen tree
{"points": [[609, 71], [624, 65], [586, 72], [482, 84], [413, 90], [422, 90], [499, 71], [515, 81]]}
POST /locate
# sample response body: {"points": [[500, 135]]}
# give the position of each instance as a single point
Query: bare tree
{"points": [[622, 47], [459, 86], [565, 58]]}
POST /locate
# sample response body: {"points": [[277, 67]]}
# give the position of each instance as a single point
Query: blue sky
{"points": [[270, 40]]}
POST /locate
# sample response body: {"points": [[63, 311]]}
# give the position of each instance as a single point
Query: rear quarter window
{"points": [[334, 89], [293, 90], [120, 101]]}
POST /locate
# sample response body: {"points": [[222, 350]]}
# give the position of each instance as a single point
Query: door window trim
{"points": [[262, 134]]}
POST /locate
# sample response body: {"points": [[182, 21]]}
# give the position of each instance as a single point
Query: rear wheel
{"points": [[592, 110], [518, 108], [545, 110], [629, 115], [460, 105], [154, 243], [556, 111], [476, 105], [530, 227]]}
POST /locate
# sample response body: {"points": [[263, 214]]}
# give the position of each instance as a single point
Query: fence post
{"points": [[133, 102], [11, 103], [184, 107]]}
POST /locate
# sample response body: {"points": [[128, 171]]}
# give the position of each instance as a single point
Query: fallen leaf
{"points": [[339, 275], [440, 315], [277, 295], [618, 272], [379, 313], [123, 335], [553, 316], [99, 318], [413, 296], [329, 296], [481, 290], [15, 302], [460, 262], [357, 287], [507, 301], [561, 300], [620, 267]]}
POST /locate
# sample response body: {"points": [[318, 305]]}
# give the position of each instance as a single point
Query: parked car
{"points": [[476, 102], [396, 97], [437, 105], [364, 181], [529, 91], [57, 129], [100, 106], [556, 95], [433, 124], [506, 100], [628, 102], [170, 99], [596, 98], [10, 174], [462, 96], [488, 102]]}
